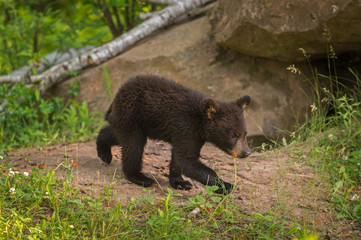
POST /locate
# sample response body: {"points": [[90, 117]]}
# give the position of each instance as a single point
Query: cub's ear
{"points": [[243, 102], [209, 108]]}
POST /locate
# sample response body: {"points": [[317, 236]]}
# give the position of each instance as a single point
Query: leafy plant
{"points": [[35, 205], [29, 30], [29, 120], [333, 129], [123, 15]]}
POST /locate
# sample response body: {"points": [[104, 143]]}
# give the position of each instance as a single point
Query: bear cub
{"points": [[149, 106]]}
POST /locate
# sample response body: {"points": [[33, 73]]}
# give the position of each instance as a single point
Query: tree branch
{"points": [[166, 17], [167, 2], [108, 17], [120, 26], [10, 79], [58, 73]]}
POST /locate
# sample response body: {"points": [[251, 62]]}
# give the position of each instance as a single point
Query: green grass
{"points": [[36, 206], [332, 136], [108, 82], [29, 120]]}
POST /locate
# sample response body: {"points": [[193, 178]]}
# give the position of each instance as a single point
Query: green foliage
{"points": [[29, 120], [74, 89], [29, 30], [333, 128], [33, 205], [339, 148], [122, 15]]}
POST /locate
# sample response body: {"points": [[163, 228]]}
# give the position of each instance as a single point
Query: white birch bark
{"points": [[10, 79], [164, 18], [98, 55], [144, 16], [168, 2]]}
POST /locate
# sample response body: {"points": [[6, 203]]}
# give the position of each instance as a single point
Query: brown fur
{"points": [[158, 108]]}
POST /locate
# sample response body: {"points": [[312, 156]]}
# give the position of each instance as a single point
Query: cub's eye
{"points": [[235, 135]]}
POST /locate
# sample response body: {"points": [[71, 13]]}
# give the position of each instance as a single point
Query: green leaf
{"points": [[216, 199], [269, 218], [211, 189], [338, 186], [258, 215], [37, 95], [34, 70]]}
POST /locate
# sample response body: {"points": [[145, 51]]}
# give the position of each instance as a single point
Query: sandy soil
{"points": [[271, 181]]}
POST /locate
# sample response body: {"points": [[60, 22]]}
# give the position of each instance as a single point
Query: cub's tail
{"points": [[105, 141]]}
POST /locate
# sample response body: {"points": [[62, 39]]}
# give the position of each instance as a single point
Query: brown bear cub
{"points": [[154, 107]]}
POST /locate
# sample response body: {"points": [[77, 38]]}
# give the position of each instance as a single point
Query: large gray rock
{"points": [[276, 29], [186, 54]]}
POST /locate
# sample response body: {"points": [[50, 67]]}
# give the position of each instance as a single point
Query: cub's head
{"points": [[225, 126]]}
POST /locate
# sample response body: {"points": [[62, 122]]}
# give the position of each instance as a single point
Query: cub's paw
{"points": [[141, 180], [181, 184], [104, 154], [224, 188]]}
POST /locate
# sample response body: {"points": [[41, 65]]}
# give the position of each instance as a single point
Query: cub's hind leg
{"points": [[132, 145]]}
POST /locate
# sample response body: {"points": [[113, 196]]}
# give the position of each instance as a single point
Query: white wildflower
{"points": [[26, 174], [1, 157], [313, 107], [332, 52], [11, 173], [12, 190], [330, 136], [355, 197], [325, 100], [46, 197], [71, 226], [325, 90], [263, 147], [293, 69]]}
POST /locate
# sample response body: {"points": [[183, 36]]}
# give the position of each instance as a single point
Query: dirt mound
{"points": [[270, 181]]}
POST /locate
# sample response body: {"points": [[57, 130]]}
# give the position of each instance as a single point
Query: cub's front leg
{"points": [[190, 166]]}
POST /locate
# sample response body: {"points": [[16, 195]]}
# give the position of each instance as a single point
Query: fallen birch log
{"points": [[164, 18]]}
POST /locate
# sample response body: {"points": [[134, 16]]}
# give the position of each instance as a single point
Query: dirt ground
{"points": [[271, 181]]}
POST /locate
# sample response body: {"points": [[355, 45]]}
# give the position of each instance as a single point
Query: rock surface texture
{"points": [[276, 29], [187, 54]]}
